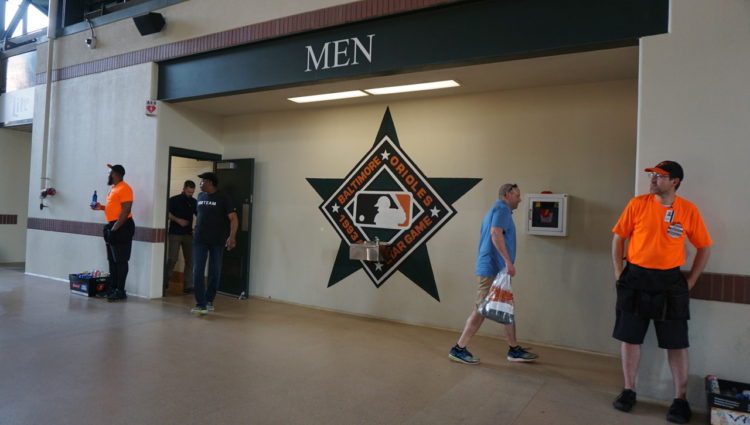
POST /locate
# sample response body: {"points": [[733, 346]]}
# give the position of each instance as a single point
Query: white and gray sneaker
{"points": [[210, 306], [197, 310]]}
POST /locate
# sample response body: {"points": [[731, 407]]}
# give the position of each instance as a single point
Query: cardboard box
{"points": [[726, 409]]}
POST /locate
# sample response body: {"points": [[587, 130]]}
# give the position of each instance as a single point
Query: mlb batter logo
{"points": [[385, 210]]}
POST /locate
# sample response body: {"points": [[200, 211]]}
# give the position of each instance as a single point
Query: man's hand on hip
{"points": [[618, 273]]}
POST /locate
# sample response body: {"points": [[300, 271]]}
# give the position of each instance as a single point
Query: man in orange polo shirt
{"points": [[650, 286], [119, 230]]}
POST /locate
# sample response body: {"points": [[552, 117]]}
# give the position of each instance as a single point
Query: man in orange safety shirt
{"points": [[650, 285], [119, 231]]}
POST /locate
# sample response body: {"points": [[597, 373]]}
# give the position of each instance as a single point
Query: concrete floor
{"points": [[68, 359]]}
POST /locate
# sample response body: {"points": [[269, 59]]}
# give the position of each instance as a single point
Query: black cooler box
{"points": [[89, 287], [726, 408]]}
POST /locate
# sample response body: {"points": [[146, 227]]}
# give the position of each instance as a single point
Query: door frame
{"points": [[182, 153]]}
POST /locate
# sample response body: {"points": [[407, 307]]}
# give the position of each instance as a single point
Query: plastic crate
{"points": [[724, 409], [89, 287]]}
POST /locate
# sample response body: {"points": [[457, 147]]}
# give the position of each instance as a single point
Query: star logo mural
{"points": [[387, 198]]}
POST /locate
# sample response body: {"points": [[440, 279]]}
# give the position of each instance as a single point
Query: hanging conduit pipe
{"points": [[51, 31]]}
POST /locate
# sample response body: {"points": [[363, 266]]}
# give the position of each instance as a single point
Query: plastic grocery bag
{"points": [[498, 304]]}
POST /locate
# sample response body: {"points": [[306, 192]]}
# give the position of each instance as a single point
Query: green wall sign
{"points": [[386, 197], [457, 34]]}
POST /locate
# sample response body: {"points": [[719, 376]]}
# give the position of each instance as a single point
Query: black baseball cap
{"points": [[117, 168], [210, 176], [668, 167]]}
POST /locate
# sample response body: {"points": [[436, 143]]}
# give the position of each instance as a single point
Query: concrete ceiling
{"points": [[23, 127], [575, 68]]}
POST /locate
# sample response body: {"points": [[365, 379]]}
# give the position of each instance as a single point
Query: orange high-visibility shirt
{"points": [[657, 233], [119, 193]]}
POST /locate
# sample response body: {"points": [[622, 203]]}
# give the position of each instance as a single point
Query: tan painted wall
{"points": [[186, 169], [14, 172], [184, 21], [100, 119], [578, 140], [694, 107], [96, 120]]}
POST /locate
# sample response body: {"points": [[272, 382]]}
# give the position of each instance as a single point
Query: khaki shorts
{"points": [[484, 288]]}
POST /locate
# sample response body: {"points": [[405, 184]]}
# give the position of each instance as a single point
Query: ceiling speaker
{"points": [[149, 23]]}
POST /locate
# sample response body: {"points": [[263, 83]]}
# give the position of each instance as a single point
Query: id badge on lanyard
{"points": [[669, 216]]}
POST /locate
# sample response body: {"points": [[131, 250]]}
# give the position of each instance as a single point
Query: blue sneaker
{"points": [[462, 355], [519, 354]]}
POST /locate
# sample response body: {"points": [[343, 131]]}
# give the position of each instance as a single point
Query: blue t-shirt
{"points": [[489, 261]]}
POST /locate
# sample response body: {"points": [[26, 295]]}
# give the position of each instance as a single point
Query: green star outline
{"points": [[417, 267]]}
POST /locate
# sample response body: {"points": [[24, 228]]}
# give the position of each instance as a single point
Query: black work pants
{"points": [[119, 244]]}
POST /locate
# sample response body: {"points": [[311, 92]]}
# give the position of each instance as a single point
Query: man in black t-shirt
{"points": [[181, 209], [215, 230]]}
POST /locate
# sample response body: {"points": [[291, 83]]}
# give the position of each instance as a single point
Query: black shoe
{"points": [[625, 401], [117, 295], [679, 412], [520, 354]]}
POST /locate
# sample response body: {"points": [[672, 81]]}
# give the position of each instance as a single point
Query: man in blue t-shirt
{"points": [[215, 231], [497, 253]]}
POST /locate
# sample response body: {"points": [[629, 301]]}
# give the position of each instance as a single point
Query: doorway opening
{"points": [[236, 179], [15, 143]]}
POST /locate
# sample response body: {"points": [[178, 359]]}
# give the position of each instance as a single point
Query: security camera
{"points": [[91, 42]]}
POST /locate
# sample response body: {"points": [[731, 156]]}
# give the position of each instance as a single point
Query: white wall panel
{"points": [[694, 106], [577, 139], [96, 120]]}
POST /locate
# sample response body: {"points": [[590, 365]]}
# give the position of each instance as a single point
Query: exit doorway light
{"points": [[414, 87], [328, 96]]}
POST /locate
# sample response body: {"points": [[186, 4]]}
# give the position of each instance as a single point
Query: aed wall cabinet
{"points": [[547, 214]]}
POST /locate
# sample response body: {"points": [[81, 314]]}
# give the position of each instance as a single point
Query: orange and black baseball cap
{"points": [[668, 167], [119, 169]]}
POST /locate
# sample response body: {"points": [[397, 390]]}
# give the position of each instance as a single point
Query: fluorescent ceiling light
{"points": [[414, 87], [328, 96]]}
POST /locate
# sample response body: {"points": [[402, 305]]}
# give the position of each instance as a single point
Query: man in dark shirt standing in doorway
{"points": [[181, 209], [215, 230]]}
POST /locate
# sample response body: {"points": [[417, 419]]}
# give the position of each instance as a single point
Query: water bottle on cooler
{"points": [[713, 384], [93, 200]]}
